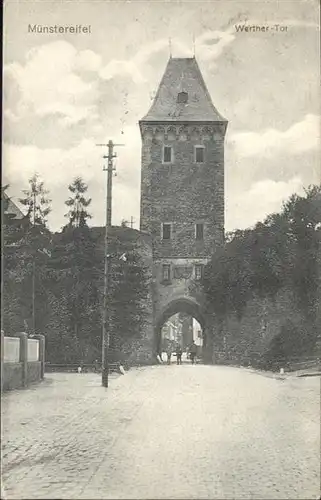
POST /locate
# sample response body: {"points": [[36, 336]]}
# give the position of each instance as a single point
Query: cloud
{"points": [[122, 68], [64, 86], [133, 68], [299, 138], [209, 46], [261, 199], [59, 95], [58, 167], [87, 60], [48, 83]]}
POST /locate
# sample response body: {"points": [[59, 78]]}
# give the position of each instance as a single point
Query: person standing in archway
{"points": [[193, 352], [169, 353], [179, 353]]}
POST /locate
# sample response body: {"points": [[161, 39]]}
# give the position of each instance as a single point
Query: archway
{"points": [[171, 321]]}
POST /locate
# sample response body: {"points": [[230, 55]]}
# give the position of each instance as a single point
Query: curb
{"points": [[283, 376], [274, 375], [311, 374]]}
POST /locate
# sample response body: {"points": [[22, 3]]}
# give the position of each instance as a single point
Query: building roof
{"points": [[182, 75], [12, 208]]}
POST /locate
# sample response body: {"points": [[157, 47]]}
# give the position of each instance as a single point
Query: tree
{"points": [[283, 252], [73, 281], [14, 226], [303, 214], [36, 251], [76, 277], [126, 300], [36, 201], [77, 203], [37, 239]]}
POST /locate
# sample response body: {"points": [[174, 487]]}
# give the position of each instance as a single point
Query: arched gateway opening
{"points": [[181, 322]]}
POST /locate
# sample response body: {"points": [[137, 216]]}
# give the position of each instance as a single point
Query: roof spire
{"points": [[182, 74], [181, 87], [170, 47], [194, 45]]}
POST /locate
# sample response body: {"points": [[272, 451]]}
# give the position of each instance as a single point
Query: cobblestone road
{"points": [[165, 432]]}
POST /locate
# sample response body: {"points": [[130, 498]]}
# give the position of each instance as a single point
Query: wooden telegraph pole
{"points": [[34, 268], [105, 316]]}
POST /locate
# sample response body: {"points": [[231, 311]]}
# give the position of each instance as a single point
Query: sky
{"points": [[65, 93]]}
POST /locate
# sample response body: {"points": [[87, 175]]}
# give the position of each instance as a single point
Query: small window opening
{"points": [[167, 154], [166, 231], [199, 154], [199, 232], [198, 271], [166, 272]]}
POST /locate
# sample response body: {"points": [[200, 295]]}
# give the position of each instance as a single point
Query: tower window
{"points": [[168, 154], [182, 97], [199, 231], [199, 154], [198, 271], [166, 231], [166, 272]]}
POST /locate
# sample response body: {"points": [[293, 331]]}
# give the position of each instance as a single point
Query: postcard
{"points": [[161, 222]]}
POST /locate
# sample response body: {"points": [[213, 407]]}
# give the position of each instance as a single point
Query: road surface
{"points": [[168, 432]]}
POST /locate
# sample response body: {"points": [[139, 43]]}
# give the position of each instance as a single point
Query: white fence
{"points": [[22, 360], [11, 350], [33, 350]]}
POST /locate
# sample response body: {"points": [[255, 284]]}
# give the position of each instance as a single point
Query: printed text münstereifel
{"points": [[75, 29]]}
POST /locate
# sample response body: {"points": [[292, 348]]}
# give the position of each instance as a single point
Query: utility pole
{"points": [[34, 268], [105, 321]]}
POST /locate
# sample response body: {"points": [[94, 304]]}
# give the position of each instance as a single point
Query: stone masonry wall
{"points": [[144, 349], [176, 288], [183, 192], [248, 338], [12, 376]]}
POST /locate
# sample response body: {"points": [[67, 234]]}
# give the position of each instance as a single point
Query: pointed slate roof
{"points": [[182, 75], [12, 208]]}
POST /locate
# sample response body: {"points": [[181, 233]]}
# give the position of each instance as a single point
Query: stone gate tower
{"points": [[182, 188]]}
